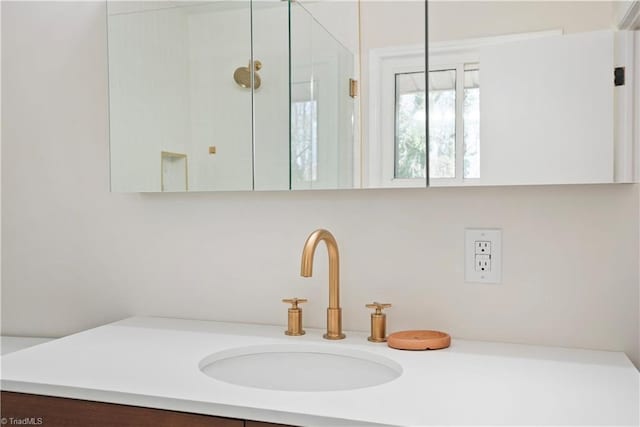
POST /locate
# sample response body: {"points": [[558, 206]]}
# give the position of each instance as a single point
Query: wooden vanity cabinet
{"points": [[62, 412]]}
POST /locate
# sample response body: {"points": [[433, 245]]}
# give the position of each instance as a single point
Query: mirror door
{"points": [[181, 80], [322, 118]]}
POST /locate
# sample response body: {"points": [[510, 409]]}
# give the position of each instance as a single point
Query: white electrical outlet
{"points": [[483, 263], [482, 247], [483, 255]]}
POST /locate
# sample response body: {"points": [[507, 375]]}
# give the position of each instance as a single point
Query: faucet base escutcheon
{"points": [[334, 324]]}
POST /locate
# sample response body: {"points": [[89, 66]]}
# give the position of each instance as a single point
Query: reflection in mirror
{"points": [[411, 127], [518, 93], [304, 134], [322, 110], [452, 105], [186, 77], [442, 123], [267, 95], [393, 99], [175, 173], [471, 123], [522, 93], [270, 39]]}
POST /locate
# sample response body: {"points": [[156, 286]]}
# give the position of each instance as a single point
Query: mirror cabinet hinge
{"points": [[618, 76], [353, 88]]}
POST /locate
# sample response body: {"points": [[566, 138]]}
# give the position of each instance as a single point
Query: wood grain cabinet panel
{"points": [[249, 423], [31, 409]]}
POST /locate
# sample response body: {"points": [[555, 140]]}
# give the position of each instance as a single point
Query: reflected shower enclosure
{"points": [[230, 91], [322, 109]]}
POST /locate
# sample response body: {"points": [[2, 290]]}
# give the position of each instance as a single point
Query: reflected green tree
{"points": [[411, 138]]}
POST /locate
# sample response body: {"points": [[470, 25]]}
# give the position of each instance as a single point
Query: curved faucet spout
{"points": [[334, 312], [306, 267]]}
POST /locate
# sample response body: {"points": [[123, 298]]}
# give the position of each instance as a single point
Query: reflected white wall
{"points": [[220, 111], [172, 89], [149, 95]]}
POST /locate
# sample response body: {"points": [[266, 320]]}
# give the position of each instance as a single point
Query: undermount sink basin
{"points": [[300, 368]]}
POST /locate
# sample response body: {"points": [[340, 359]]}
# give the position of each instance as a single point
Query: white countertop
{"points": [[11, 344], [153, 362]]}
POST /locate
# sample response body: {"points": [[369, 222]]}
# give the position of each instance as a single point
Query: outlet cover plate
{"points": [[472, 239]]}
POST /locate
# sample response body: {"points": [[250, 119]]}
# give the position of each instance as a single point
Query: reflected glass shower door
{"points": [[270, 30], [322, 119], [173, 88]]}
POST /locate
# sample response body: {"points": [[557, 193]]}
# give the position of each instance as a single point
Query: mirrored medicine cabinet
{"points": [[236, 95]]}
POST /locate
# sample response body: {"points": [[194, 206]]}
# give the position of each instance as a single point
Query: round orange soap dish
{"points": [[419, 340]]}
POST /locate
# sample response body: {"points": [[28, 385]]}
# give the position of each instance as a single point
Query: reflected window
{"points": [[410, 120], [304, 140], [454, 123], [442, 124], [451, 104], [471, 122], [450, 94]]}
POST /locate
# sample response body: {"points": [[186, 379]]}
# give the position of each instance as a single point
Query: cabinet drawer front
{"points": [[62, 412]]}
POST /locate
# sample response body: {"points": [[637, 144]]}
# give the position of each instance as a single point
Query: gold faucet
{"points": [[334, 312]]}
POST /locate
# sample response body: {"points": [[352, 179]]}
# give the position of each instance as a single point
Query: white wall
{"points": [[76, 256], [623, 11], [469, 19], [1, 103], [637, 152]]}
